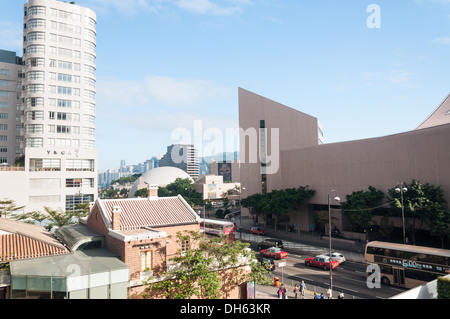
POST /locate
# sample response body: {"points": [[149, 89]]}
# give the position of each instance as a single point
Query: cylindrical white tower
{"points": [[59, 54]]}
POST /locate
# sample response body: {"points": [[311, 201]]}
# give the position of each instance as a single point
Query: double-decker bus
{"points": [[407, 266], [218, 227]]}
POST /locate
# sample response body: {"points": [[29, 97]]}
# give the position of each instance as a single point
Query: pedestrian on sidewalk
{"points": [[329, 294], [282, 292], [296, 291], [302, 289]]}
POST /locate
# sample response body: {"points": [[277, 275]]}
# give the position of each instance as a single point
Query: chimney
{"points": [[116, 217], [152, 191], [91, 205]]}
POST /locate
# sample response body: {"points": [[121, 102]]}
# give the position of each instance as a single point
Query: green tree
{"points": [[8, 207], [276, 202], [197, 274], [424, 204], [143, 192], [255, 204], [183, 187], [280, 202], [31, 217], [82, 209], [438, 220], [52, 218], [58, 218], [125, 180], [359, 206]]}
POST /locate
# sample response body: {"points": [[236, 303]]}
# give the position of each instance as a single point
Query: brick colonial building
{"points": [[142, 231]]}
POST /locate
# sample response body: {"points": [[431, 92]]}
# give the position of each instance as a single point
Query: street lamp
{"points": [[402, 189], [337, 199]]}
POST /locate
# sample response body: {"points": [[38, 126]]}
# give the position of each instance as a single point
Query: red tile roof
{"points": [[144, 212], [19, 241]]}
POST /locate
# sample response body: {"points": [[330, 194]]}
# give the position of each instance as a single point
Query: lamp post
{"points": [[402, 189], [337, 199]]}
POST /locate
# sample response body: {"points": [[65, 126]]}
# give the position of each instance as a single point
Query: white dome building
{"points": [[160, 176]]}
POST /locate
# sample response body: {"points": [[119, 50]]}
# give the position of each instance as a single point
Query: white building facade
{"points": [[58, 108]]}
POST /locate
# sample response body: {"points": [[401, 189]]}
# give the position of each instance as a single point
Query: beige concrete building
{"points": [[213, 188], [292, 143], [229, 170]]}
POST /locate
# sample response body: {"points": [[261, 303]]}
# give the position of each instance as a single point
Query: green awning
{"points": [[78, 236], [82, 269]]}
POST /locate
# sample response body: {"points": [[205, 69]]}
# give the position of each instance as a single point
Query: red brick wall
{"points": [[172, 231], [130, 252], [95, 221]]}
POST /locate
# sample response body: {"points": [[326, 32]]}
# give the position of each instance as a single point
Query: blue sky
{"points": [[164, 64]]}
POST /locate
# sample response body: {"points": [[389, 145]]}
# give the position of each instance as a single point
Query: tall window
{"points": [[263, 150], [146, 260], [185, 245]]}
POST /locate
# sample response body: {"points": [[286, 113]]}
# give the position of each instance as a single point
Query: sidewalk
{"points": [[270, 292]]}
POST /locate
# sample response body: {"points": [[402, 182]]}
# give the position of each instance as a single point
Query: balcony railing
{"points": [[9, 168]]}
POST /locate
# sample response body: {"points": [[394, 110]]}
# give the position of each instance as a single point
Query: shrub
{"points": [[443, 288]]}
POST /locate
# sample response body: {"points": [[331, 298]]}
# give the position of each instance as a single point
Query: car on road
{"points": [[270, 242], [267, 263], [340, 258], [321, 262], [274, 252], [257, 231]]}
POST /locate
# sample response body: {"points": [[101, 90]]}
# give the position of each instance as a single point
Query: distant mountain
{"points": [[227, 156]]}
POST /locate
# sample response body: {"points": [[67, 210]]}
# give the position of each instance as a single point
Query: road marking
{"points": [[353, 279], [303, 278], [397, 289], [355, 291]]}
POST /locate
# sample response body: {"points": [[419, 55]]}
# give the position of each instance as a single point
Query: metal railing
{"points": [[311, 289]]}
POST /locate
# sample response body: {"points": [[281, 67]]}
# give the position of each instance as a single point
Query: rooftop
{"points": [[21, 240], [138, 213]]}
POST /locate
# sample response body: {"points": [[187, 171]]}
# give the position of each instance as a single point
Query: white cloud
{"points": [[173, 91], [402, 78], [208, 6], [442, 41], [131, 7], [156, 91], [162, 103]]}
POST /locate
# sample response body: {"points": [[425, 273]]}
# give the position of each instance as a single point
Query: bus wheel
{"points": [[385, 281]]}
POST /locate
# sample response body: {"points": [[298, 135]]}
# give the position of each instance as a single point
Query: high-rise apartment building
{"points": [[11, 75], [56, 88], [182, 156]]}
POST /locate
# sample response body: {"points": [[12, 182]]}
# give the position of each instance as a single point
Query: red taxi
{"points": [[274, 252], [257, 231], [321, 262]]}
